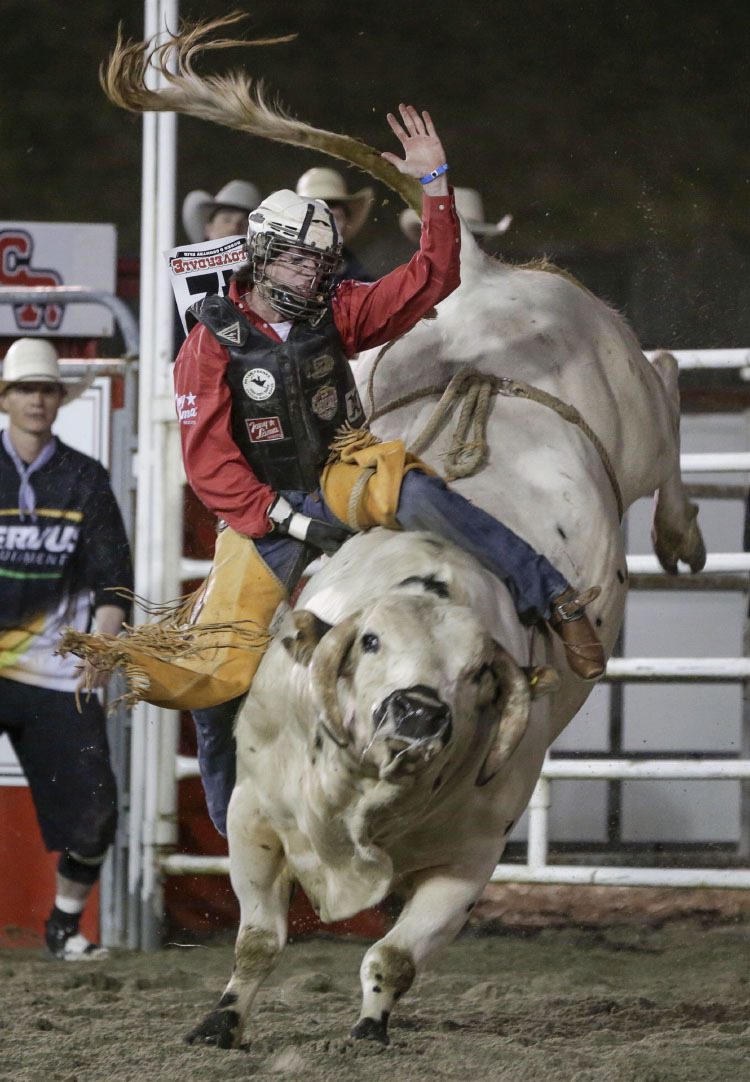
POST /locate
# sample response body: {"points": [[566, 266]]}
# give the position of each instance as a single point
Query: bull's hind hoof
{"points": [[218, 1028], [684, 543], [370, 1029]]}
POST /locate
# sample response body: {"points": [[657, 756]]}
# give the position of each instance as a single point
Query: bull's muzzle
{"points": [[415, 715]]}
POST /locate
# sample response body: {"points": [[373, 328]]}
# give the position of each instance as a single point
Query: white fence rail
{"points": [[709, 358], [578, 875], [537, 869]]}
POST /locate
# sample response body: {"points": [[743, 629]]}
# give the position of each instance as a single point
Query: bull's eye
{"points": [[370, 643], [479, 674]]}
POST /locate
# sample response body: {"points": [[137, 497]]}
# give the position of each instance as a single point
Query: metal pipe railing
{"points": [[79, 295], [709, 670], [716, 563], [689, 359], [578, 875], [661, 769], [716, 462]]}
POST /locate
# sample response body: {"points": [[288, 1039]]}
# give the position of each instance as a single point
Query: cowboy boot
{"points": [[584, 652]]}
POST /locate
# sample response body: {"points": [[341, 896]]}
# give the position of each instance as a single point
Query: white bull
{"points": [[331, 792], [396, 750]]}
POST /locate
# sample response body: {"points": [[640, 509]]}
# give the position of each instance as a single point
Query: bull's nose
{"points": [[415, 713]]}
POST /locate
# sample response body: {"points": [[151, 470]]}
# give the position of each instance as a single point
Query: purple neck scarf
{"points": [[26, 494]]}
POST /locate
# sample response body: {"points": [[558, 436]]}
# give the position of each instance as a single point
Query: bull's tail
{"points": [[233, 100]]}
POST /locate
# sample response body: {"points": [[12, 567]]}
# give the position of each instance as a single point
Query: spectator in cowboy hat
{"points": [[210, 217], [469, 206], [63, 560], [350, 212], [34, 361]]}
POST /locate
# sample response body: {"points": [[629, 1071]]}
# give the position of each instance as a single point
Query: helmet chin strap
{"points": [[288, 303]]}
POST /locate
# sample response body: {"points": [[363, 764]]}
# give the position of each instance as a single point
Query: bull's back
{"points": [[542, 328]]}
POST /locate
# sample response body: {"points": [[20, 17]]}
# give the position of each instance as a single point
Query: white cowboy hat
{"points": [[469, 206], [330, 186], [34, 360], [198, 206]]}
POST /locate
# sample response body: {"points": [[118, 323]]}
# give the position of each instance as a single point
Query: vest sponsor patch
{"points": [[265, 430], [324, 402], [258, 384], [230, 333], [320, 366]]}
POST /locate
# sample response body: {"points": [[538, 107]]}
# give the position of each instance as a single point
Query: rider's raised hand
{"points": [[424, 154]]}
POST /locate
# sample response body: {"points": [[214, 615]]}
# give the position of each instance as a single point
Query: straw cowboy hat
{"points": [[469, 206], [327, 184], [198, 206], [34, 360]]}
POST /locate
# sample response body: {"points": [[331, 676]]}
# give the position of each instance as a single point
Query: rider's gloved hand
{"points": [[290, 523]]}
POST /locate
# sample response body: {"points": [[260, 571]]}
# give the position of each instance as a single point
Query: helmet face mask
{"points": [[305, 298], [294, 248]]}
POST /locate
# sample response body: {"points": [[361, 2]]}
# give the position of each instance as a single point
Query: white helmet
{"points": [[286, 225]]}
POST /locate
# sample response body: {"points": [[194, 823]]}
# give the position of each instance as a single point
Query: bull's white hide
{"points": [[348, 834]]}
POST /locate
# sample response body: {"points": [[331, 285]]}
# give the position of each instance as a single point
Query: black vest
{"points": [[288, 398]]}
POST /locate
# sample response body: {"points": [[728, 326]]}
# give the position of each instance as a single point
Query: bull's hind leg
{"points": [[261, 882], [434, 913], [675, 532]]}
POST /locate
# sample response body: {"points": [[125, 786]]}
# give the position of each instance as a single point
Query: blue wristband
{"points": [[434, 174]]}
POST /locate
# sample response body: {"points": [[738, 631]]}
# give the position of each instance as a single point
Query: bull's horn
{"points": [[324, 673], [514, 716]]}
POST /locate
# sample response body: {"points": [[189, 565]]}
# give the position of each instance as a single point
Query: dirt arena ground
{"points": [[632, 1002]]}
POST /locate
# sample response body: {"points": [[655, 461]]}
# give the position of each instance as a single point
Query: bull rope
{"points": [[466, 456]]}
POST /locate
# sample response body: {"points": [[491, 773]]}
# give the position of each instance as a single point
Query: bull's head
{"points": [[403, 679]]}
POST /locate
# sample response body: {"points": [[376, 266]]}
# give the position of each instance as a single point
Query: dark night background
{"points": [[615, 133]]}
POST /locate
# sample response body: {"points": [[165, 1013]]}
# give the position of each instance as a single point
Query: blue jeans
{"points": [[425, 503], [214, 725]]}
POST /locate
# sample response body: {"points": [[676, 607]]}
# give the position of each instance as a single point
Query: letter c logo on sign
{"points": [[16, 271]]}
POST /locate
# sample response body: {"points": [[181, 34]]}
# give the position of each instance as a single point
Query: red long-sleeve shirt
{"points": [[365, 315]]}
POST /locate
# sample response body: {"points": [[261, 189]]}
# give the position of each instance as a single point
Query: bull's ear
{"points": [[310, 630], [542, 679]]}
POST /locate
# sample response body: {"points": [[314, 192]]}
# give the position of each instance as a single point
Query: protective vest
{"points": [[288, 398]]}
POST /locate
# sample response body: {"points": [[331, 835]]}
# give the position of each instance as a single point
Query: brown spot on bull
{"points": [[255, 953], [395, 969]]}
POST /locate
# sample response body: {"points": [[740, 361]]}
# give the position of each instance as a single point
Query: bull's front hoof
{"points": [[218, 1028], [370, 1029]]}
